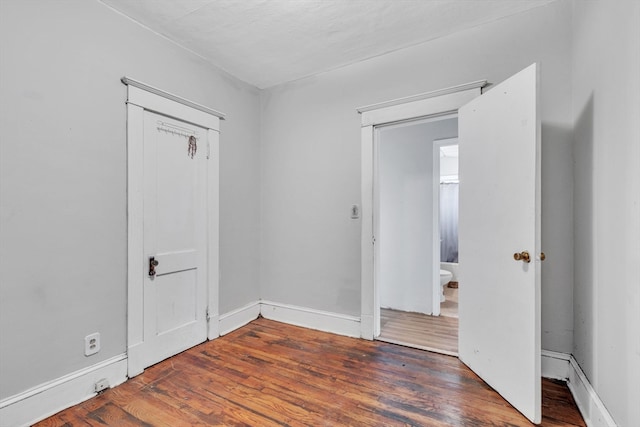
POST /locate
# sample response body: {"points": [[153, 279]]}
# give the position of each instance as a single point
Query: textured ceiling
{"points": [[268, 42]]}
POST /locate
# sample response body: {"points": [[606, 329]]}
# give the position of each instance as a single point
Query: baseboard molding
{"points": [[47, 399], [237, 318], [591, 407], [336, 323], [563, 366], [555, 365]]}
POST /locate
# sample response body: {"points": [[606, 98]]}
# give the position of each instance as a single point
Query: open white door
{"points": [[499, 300]]}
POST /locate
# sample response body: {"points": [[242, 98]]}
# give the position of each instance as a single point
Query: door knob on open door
{"points": [[522, 256]]}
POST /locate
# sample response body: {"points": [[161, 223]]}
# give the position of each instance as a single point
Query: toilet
{"points": [[445, 277]]}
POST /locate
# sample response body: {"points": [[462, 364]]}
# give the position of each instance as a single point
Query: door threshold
{"points": [[418, 346]]}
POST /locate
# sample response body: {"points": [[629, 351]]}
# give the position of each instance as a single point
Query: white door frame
{"points": [[141, 97], [441, 102], [435, 282]]}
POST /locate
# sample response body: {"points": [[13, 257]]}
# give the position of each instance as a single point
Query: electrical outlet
{"points": [[92, 344]]}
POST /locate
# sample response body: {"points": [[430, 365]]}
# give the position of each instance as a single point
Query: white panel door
{"points": [[499, 301], [175, 237]]}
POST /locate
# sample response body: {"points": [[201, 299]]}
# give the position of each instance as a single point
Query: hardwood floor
{"points": [[433, 333], [449, 307], [269, 373]]}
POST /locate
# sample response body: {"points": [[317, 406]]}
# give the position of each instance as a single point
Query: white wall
{"points": [[310, 249], [448, 166], [405, 238], [63, 179], [606, 104]]}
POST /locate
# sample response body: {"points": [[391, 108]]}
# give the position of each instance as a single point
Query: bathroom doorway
{"points": [[500, 316], [417, 307]]}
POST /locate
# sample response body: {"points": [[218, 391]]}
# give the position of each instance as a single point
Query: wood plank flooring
{"points": [[273, 374], [433, 333], [449, 307]]}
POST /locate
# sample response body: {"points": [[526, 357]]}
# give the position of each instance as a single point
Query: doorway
{"points": [[415, 308], [172, 230], [500, 252]]}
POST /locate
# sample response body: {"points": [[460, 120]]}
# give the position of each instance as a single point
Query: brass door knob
{"points": [[522, 256]]}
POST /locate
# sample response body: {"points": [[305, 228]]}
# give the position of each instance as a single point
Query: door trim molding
{"points": [[139, 99], [478, 84], [432, 104], [175, 98]]}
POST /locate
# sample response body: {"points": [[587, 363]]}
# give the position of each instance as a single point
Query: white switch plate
{"points": [[355, 211], [92, 344]]}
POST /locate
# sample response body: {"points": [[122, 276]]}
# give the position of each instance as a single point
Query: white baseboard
{"points": [[340, 324], [563, 366], [47, 399], [40, 402], [593, 411], [237, 318], [555, 365], [213, 327]]}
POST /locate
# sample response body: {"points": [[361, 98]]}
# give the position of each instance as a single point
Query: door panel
{"points": [[176, 301], [499, 297], [175, 233]]}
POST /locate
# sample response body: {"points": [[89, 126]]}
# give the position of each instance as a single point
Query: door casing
{"points": [[432, 104], [141, 97]]}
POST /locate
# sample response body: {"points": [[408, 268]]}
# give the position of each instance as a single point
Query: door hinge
{"points": [[373, 240], [208, 149], [207, 314]]}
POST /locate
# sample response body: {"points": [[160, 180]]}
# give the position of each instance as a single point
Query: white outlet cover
{"points": [[92, 344]]}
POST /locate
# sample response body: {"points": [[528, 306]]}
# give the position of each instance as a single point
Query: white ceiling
{"points": [[268, 42]]}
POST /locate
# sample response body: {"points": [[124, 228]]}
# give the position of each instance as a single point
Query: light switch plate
{"points": [[355, 211]]}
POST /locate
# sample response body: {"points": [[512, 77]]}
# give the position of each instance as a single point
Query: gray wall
{"points": [[311, 159], [405, 236], [606, 99], [63, 179], [285, 205]]}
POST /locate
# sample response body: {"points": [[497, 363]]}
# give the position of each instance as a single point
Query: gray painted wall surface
{"points": [[63, 179], [405, 237], [310, 253], [606, 102]]}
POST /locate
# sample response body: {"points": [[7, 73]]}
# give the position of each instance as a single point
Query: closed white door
{"points": [[175, 237], [499, 216]]}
